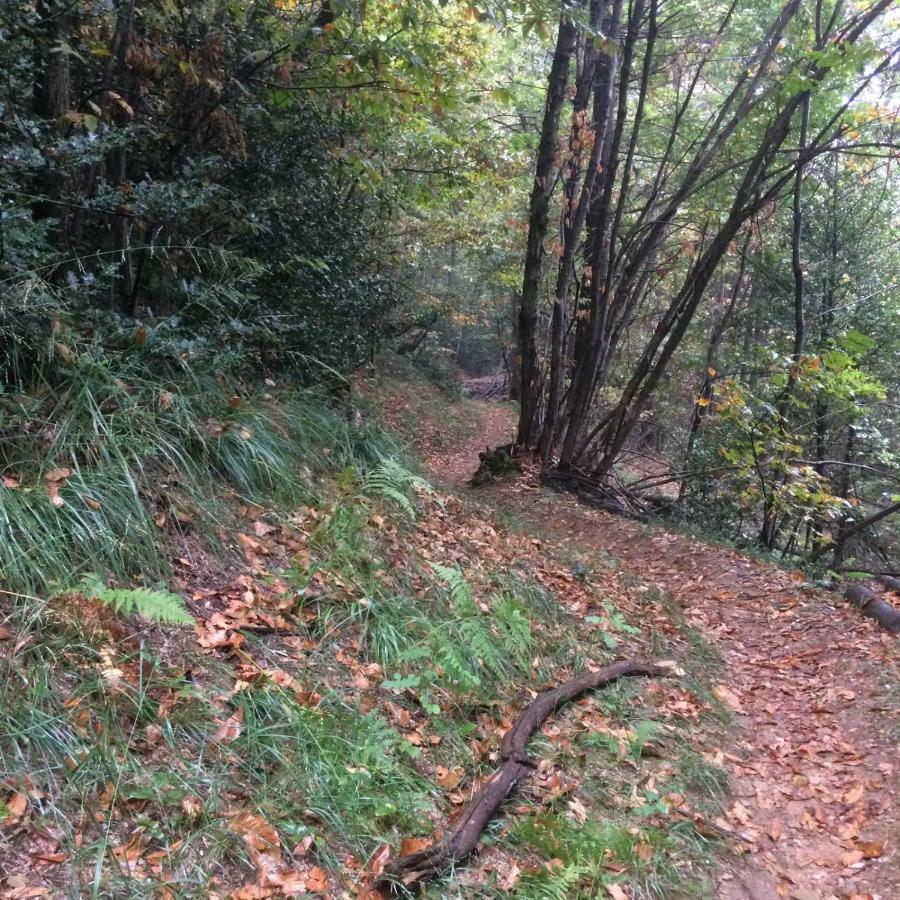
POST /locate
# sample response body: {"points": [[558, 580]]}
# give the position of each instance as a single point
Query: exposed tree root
{"points": [[462, 840], [887, 616]]}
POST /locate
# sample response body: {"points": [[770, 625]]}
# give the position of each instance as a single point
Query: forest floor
{"points": [[813, 803], [357, 659]]}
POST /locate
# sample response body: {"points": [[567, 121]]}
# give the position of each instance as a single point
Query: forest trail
{"points": [[812, 762]]}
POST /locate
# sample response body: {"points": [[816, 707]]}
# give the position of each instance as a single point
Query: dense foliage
{"points": [[198, 196]]}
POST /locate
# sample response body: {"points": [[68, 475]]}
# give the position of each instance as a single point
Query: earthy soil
{"points": [[814, 808]]}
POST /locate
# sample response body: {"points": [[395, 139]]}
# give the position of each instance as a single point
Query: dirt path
{"points": [[813, 767], [457, 464]]}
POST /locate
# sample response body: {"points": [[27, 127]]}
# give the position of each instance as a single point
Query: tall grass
{"points": [[106, 455]]}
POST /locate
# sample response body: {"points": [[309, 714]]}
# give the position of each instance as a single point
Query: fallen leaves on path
{"points": [[813, 770]]}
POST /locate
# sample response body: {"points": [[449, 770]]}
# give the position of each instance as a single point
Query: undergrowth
{"points": [[107, 459], [408, 646]]}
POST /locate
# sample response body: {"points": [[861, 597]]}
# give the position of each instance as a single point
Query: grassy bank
{"points": [[361, 645]]}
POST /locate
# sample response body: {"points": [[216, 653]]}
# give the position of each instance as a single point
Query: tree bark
{"points": [[768, 536], [886, 615], [117, 160], [573, 216], [541, 193], [598, 236]]}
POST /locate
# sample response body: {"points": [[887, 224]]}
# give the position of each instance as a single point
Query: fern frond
{"points": [[515, 629], [155, 604], [391, 481], [461, 596], [480, 643], [561, 884], [458, 669]]}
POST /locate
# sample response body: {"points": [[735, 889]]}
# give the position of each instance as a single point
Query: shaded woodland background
{"points": [[670, 227]]}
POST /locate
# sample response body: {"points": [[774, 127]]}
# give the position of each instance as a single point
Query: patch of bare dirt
{"points": [[457, 465]]}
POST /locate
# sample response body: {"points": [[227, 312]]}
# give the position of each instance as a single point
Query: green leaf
{"points": [[155, 604]]}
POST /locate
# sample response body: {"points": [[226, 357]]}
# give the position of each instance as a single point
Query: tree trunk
{"points": [[541, 193], [706, 389], [573, 216], [50, 100], [768, 536], [598, 217]]}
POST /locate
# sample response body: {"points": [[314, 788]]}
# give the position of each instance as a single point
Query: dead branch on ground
{"points": [[414, 868]]}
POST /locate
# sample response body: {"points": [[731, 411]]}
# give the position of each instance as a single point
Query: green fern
{"points": [[560, 884], [469, 650], [468, 628], [515, 629], [461, 595], [456, 665], [155, 604], [391, 481], [481, 644]]}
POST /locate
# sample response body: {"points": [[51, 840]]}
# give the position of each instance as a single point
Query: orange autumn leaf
{"points": [[448, 779], [258, 835], [413, 845], [16, 804], [230, 730]]}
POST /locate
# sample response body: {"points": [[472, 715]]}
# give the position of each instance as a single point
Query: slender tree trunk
{"points": [[117, 159], [541, 193], [673, 325], [50, 100], [769, 531], [582, 136], [598, 217], [706, 390]]}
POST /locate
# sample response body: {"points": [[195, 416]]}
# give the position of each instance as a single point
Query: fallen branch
{"points": [[890, 581], [594, 494], [462, 840], [886, 615], [863, 524]]}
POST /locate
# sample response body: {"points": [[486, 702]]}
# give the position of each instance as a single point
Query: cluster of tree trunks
{"points": [[616, 239]]}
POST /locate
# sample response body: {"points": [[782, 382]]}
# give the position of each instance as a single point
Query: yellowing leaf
{"points": [[448, 779], [16, 806]]}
